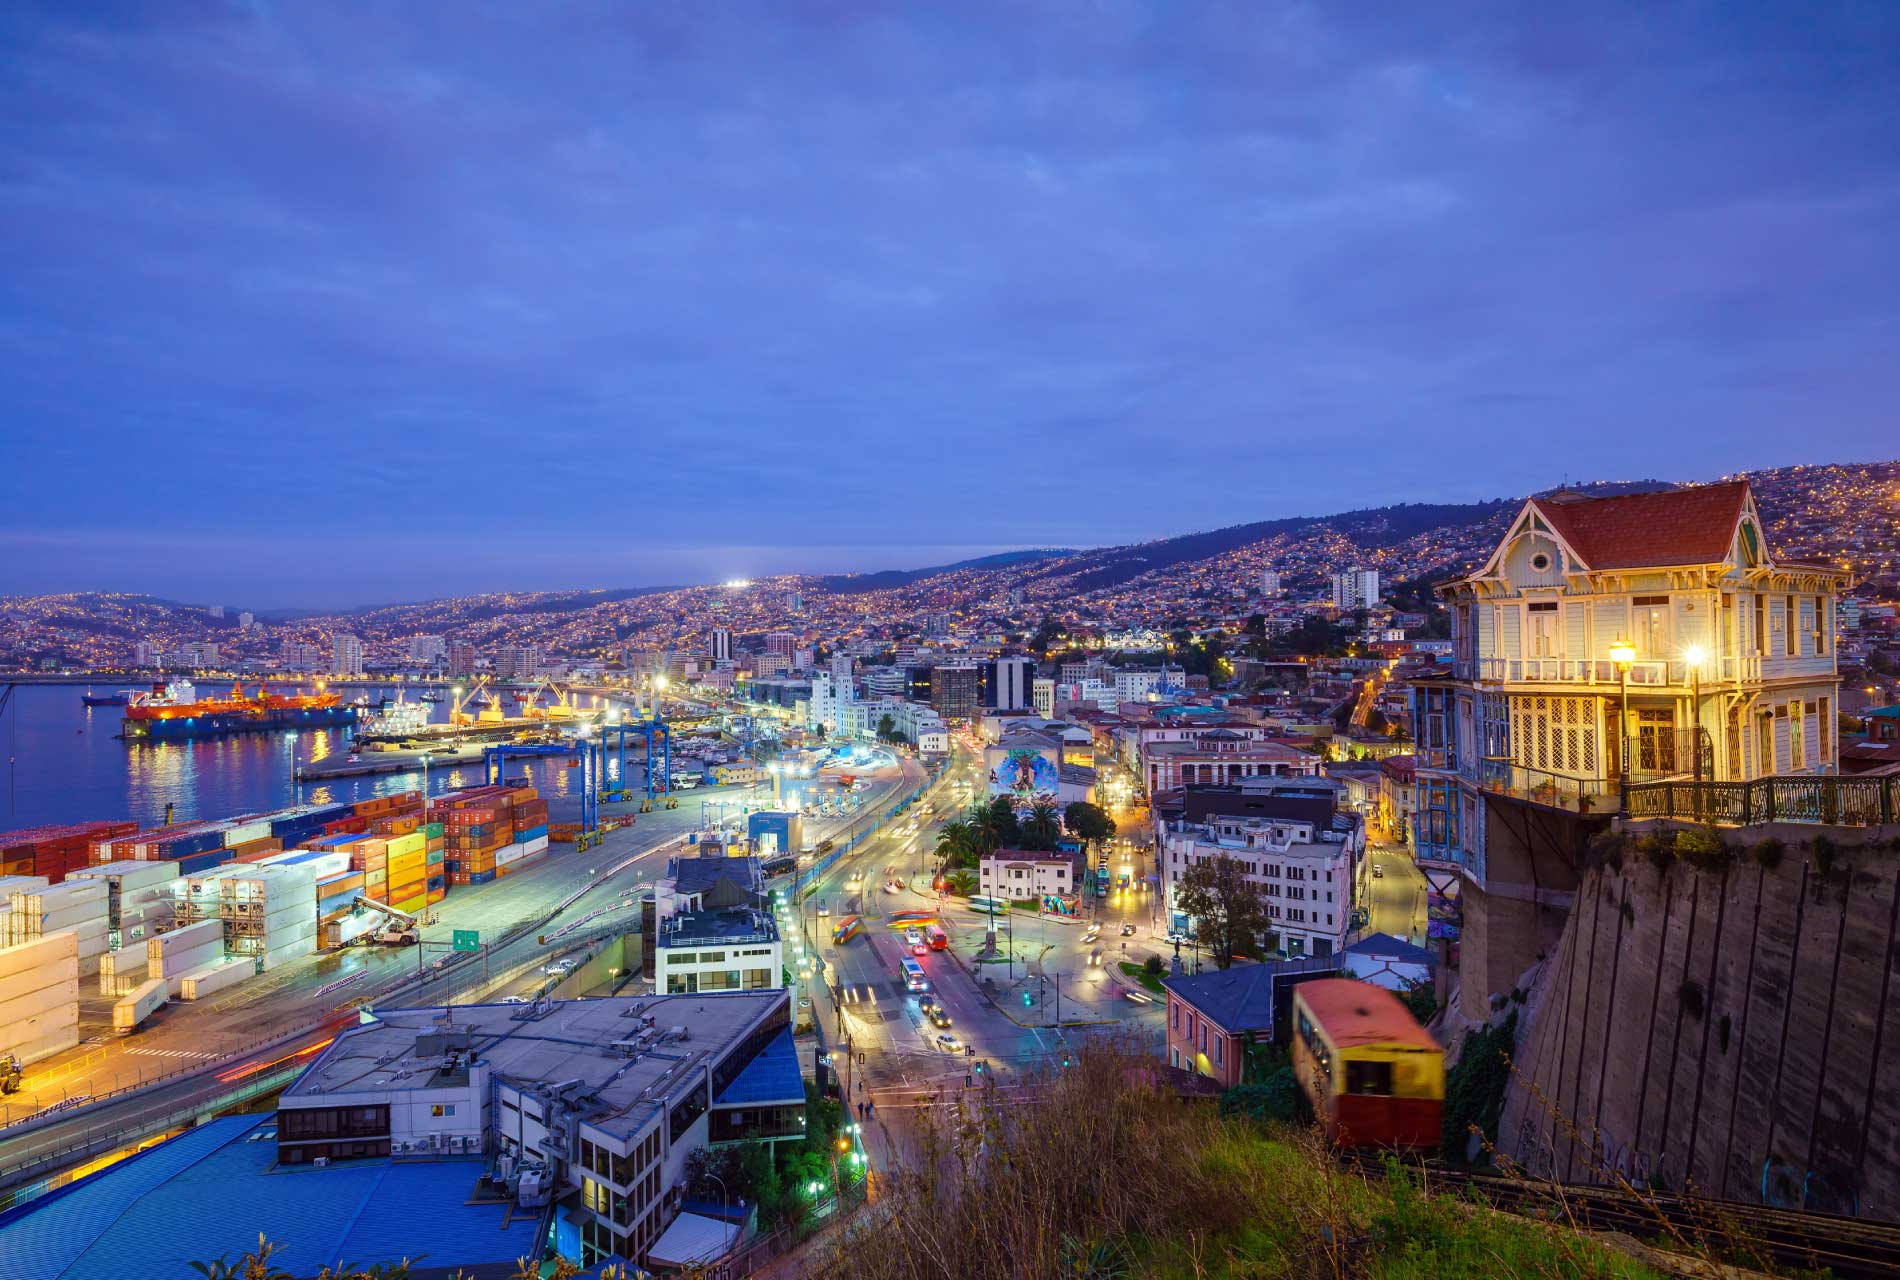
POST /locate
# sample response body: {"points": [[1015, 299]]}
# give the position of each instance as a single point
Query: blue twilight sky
{"points": [[325, 302]]}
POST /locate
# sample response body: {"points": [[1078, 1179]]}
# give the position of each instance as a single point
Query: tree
{"points": [[957, 845], [1089, 823], [1046, 634], [1229, 912], [1042, 829], [961, 882], [886, 727], [995, 825]]}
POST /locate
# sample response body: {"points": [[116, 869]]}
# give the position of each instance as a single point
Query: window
{"points": [[1540, 562], [1820, 625], [1793, 645], [1651, 618], [1373, 1078], [442, 1109], [1219, 1049], [1761, 625], [1824, 722]]}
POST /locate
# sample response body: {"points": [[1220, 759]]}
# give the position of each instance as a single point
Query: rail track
{"points": [[1734, 1231]]}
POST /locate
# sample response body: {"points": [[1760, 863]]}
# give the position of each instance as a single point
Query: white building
{"points": [[427, 649], [1355, 588], [719, 642], [713, 929], [246, 620], [1269, 582], [1305, 874], [843, 685], [346, 655], [1010, 683], [1136, 686], [1043, 695], [1018, 875], [146, 654]]}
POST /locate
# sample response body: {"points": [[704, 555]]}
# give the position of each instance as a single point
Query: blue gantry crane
{"points": [[659, 742], [581, 755]]}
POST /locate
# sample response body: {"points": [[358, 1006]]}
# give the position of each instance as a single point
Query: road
{"points": [[189, 1047], [1395, 899]]}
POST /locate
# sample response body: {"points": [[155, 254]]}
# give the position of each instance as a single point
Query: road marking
{"points": [[172, 1053]]}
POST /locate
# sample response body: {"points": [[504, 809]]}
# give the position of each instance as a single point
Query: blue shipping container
{"points": [[481, 877], [532, 833]]}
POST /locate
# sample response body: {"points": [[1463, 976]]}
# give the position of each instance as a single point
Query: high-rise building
{"points": [[794, 602], [1043, 694], [514, 662], [1355, 588], [781, 643], [719, 641], [146, 654], [427, 649], [953, 692], [246, 620], [216, 611], [1006, 683], [1269, 582], [346, 655], [461, 658]]}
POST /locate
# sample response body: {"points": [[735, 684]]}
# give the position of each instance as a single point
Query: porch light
{"points": [[1622, 653]]}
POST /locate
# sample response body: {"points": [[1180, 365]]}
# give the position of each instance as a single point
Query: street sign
{"points": [[466, 940]]}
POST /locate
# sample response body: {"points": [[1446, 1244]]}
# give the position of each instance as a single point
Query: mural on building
{"points": [[1025, 776]]}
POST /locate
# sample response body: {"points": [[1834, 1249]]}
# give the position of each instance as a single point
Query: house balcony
{"points": [[1553, 790], [1827, 800], [1647, 673]]}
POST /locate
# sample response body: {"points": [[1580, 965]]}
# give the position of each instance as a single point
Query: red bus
{"points": [[846, 929], [937, 938]]}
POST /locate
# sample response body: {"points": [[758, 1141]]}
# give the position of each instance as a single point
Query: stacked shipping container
{"points": [[79, 906], [270, 912], [55, 851], [39, 996]]}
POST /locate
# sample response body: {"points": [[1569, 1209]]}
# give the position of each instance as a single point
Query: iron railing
{"points": [[1825, 800]]}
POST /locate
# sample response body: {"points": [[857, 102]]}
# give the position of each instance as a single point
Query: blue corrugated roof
{"points": [[210, 1192], [773, 1076]]}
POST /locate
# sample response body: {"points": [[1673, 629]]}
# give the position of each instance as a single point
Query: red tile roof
{"points": [[1354, 1013], [1647, 530]]}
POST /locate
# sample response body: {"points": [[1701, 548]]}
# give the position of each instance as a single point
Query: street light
{"points": [[1623, 654], [1695, 655]]}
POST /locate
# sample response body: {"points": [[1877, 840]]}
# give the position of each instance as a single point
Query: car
{"points": [[919, 949], [1128, 931], [1095, 958], [1378, 872], [948, 1043], [1091, 933], [518, 999], [928, 1003], [823, 910], [938, 1018], [913, 938]]}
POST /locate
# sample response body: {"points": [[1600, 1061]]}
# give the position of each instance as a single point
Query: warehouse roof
{"points": [[149, 1215]]}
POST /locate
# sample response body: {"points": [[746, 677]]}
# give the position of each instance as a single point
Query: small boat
{"points": [[432, 696], [117, 698]]}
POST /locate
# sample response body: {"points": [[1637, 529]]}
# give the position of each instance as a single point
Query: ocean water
{"points": [[62, 762]]}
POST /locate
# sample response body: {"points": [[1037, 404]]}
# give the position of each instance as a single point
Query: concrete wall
{"points": [[1784, 1087], [1516, 917]]}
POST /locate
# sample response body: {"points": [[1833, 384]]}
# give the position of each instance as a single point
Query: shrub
{"points": [[1276, 1098], [1701, 847], [1827, 855], [1474, 1089], [1153, 967], [1658, 848], [1606, 848], [1768, 852]]}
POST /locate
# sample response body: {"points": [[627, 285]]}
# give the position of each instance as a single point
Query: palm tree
{"points": [[1042, 829], [956, 844], [961, 882]]}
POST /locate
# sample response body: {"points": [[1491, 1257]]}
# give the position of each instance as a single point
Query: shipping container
{"points": [[212, 978], [134, 1009]]}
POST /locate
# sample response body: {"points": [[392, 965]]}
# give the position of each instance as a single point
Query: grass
{"points": [[1146, 979], [1106, 1176]]}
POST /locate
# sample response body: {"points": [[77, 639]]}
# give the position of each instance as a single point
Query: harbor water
{"points": [[61, 761]]}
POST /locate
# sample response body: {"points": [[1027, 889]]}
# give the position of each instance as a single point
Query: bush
{"points": [[1474, 1089], [1768, 853], [1153, 967], [1658, 848], [1701, 847], [1277, 1099]]}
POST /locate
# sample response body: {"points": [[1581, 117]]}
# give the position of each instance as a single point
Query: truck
{"points": [[402, 930], [134, 1009]]}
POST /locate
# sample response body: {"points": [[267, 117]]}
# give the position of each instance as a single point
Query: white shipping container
{"points": [[72, 893], [189, 938], [140, 1005], [179, 963], [17, 1006], [536, 845], [509, 853], [31, 1051], [122, 986], [10, 885], [52, 955], [61, 1018], [124, 960], [247, 832], [351, 928], [129, 874], [211, 979]]}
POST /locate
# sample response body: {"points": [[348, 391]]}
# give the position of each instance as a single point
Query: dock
{"points": [[372, 763]]}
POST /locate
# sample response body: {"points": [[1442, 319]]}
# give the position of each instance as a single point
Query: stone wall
{"points": [[1729, 1026], [1516, 917]]}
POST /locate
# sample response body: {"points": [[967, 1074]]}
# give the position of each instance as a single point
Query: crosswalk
{"points": [[172, 1053]]}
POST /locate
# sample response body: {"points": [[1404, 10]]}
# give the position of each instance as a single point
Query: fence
{"points": [[1826, 800]]}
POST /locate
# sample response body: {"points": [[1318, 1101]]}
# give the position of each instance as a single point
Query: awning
{"points": [[692, 1239]]}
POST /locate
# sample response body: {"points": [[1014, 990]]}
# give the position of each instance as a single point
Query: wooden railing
{"points": [[1828, 801], [1645, 673]]}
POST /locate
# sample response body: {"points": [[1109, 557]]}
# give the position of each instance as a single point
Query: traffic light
{"points": [[1028, 1000]]}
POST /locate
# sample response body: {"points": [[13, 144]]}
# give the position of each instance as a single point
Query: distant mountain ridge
{"points": [[884, 579]]}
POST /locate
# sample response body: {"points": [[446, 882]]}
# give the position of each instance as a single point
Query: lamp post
{"points": [[425, 777], [1623, 654], [1695, 655], [290, 757]]}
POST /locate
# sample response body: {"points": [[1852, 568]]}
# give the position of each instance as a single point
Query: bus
{"points": [[989, 906], [937, 938], [847, 929], [914, 979]]}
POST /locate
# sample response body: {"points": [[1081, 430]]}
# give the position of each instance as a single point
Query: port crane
{"points": [[580, 755], [463, 696]]}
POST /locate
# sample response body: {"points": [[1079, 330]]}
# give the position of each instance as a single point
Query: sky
{"points": [[330, 303]]}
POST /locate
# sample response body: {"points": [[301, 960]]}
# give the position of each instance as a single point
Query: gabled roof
{"points": [[1648, 530], [1384, 944]]}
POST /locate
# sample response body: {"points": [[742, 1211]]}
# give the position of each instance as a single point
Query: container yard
{"points": [[194, 909]]}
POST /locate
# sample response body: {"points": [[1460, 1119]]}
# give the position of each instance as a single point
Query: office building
{"points": [[346, 655], [1355, 588], [1043, 696], [426, 650], [719, 644], [1269, 582], [781, 643], [461, 659], [1006, 683], [517, 662], [843, 682], [953, 692], [146, 654], [713, 928], [1303, 868], [246, 620]]}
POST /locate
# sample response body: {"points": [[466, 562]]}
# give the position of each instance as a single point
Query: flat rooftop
{"points": [[727, 924], [574, 1041], [212, 1189]]}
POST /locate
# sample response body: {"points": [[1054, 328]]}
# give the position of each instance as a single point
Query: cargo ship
{"points": [[117, 698], [174, 712]]}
